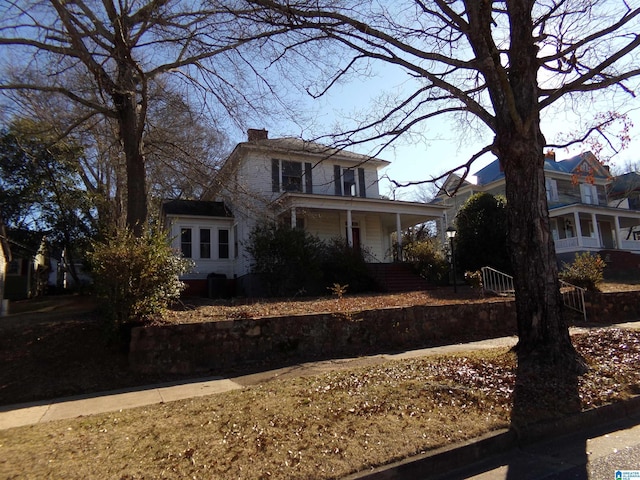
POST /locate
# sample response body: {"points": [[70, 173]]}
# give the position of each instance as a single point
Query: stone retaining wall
{"points": [[614, 307], [216, 347]]}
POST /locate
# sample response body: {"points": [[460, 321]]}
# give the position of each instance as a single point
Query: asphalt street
{"points": [[594, 454]]}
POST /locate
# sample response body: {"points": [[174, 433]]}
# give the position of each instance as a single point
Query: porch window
{"points": [[205, 243], [589, 194], [223, 243], [185, 242]]}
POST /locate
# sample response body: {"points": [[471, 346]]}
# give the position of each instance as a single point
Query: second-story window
{"points": [[589, 194], [552, 189], [288, 176], [346, 183]]}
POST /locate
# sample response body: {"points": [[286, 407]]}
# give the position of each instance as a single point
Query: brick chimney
{"points": [[254, 134], [550, 155]]}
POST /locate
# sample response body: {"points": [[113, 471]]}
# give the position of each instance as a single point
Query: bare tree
{"points": [[499, 65], [107, 57]]}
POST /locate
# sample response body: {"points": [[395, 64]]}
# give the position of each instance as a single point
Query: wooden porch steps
{"points": [[397, 277]]}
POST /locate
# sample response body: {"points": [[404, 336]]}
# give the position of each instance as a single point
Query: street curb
{"points": [[442, 460]]}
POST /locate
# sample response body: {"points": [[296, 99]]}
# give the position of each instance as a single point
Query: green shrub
{"points": [[136, 278], [292, 261], [287, 260], [481, 240], [586, 271], [428, 260], [474, 279], [345, 265]]}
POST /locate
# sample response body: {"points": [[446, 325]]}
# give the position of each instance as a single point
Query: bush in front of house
{"points": [[428, 260], [136, 278], [292, 262], [287, 260], [481, 239], [586, 271], [344, 265]]}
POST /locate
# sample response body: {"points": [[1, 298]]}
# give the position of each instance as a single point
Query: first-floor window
{"points": [[205, 243], [186, 242], [223, 243], [235, 241]]}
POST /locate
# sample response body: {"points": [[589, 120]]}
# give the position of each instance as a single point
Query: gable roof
{"points": [[493, 172], [199, 208]]}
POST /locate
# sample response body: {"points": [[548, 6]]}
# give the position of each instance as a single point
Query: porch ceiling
{"points": [[411, 213]]}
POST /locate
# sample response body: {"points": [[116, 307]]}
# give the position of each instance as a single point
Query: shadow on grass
{"points": [[544, 393]]}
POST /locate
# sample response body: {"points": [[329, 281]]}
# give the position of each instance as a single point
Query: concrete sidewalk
{"points": [[62, 408]]}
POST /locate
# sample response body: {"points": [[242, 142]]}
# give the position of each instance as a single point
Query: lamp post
{"points": [[451, 234]]}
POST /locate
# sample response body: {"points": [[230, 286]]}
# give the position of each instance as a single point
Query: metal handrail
{"points": [[497, 282], [502, 284], [573, 297]]}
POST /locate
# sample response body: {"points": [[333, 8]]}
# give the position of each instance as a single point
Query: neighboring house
{"points": [[582, 212], [329, 193], [27, 272]]}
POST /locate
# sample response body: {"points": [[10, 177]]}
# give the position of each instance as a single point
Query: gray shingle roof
{"points": [[200, 208]]}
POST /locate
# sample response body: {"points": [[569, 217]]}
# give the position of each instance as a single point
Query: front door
{"points": [[356, 238]]}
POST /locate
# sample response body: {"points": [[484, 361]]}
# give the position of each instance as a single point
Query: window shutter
{"points": [[361, 185], [308, 181], [275, 175], [336, 179]]}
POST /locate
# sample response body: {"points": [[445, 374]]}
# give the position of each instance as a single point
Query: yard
{"points": [[321, 426]]}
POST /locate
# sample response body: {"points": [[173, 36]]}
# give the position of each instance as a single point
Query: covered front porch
{"points": [[365, 223], [580, 227]]}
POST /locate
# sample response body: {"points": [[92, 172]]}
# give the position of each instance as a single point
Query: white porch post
{"points": [[294, 220], [399, 234], [616, 225], [349, 229], [594, 221], [576, 220]]}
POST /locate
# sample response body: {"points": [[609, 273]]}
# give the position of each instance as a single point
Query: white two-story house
{"points": [[582, 214], [328, 192]]}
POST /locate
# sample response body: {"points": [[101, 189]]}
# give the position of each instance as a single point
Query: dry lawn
{"points": [[319, 427]]}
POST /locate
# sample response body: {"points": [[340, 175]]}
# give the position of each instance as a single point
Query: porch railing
{"points": [[502, 284], [630, 244]]}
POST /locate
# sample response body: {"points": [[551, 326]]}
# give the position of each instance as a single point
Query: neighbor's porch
{"points": [[582, 228]]}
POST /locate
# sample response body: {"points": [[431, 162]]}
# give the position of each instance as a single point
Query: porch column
{"points": [[616, 225], [576, 220], [294, 220], [594, 221], [349, 229], [399, 234]]}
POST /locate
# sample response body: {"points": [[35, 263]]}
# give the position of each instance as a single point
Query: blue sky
{"points": [[443, 145]]}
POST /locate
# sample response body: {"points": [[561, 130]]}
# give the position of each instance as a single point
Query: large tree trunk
{"points": [[542, 330], [519, 143], [129, 122]]}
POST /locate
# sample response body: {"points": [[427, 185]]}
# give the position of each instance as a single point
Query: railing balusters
{"points": [[502, 284]]}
